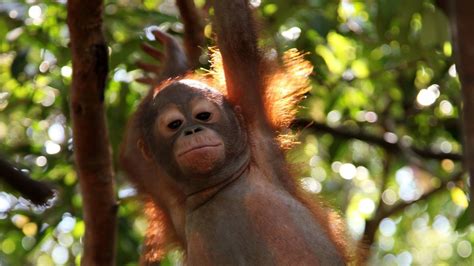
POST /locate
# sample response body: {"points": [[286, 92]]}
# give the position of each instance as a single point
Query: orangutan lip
{"points": [[200, 147]]}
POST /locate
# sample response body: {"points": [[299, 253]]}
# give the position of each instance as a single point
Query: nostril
{"points": [[191, 131]]}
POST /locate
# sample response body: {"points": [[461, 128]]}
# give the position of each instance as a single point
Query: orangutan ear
{"points": [[146, 153]]}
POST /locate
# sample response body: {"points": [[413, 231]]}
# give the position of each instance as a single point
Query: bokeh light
{"points": [[428, 96]]}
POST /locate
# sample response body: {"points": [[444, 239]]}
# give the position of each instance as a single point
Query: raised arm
{"points": [[237, 41]]}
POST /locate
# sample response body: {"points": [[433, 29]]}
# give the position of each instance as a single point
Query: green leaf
{"points": [[465, 219]]}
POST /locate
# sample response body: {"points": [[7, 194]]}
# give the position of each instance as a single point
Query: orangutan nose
{"points": [[192, 130]]}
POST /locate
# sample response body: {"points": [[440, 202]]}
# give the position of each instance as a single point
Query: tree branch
{"points": [[402, 205], [193, 31], [383, 211], [371, 226], [91, 142], [346, 133], [37, 192]]}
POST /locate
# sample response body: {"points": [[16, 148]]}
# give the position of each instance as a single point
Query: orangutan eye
{"points": [[203, 116], [175, 124]]}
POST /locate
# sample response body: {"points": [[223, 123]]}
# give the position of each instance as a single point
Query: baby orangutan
{"points": [[204, 151]]}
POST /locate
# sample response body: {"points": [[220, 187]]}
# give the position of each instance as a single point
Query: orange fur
{"points": [[284, 89], [160, 237], [285, 86], [156, 239]]}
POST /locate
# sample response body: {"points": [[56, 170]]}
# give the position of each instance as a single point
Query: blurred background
{"points": [[379, 132]]}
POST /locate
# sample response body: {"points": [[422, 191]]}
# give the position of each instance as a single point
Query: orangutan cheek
{"points": [[202, 160]]}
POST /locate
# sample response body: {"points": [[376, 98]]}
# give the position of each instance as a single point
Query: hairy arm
{"points": [[237, 41]]}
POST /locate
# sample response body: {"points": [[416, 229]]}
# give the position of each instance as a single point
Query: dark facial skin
{"points": [[196, 135]]}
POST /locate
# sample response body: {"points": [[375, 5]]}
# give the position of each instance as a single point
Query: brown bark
{"points": [[37, 192], [463, 22], [193, 31], [91, 142]]}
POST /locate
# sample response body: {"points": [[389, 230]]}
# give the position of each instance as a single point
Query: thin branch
{"points": [[382, 211], [91, 141], [401, 206], [193, 31], [409, 154], [346, 133], [372, 225], [37, 192]]}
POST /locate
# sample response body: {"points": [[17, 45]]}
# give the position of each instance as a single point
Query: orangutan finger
{"points": [[152, 51], [163, 37], [148, 67], [145, 80]]}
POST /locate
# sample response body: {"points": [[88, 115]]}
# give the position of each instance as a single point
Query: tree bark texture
{"points": [[91, 142], [463, 28]]}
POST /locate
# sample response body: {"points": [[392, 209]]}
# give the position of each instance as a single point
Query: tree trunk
{"points": [[91, 142], [463, 28]]}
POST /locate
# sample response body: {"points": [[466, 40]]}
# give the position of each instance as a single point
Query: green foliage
{"points": [[382, 68]]}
